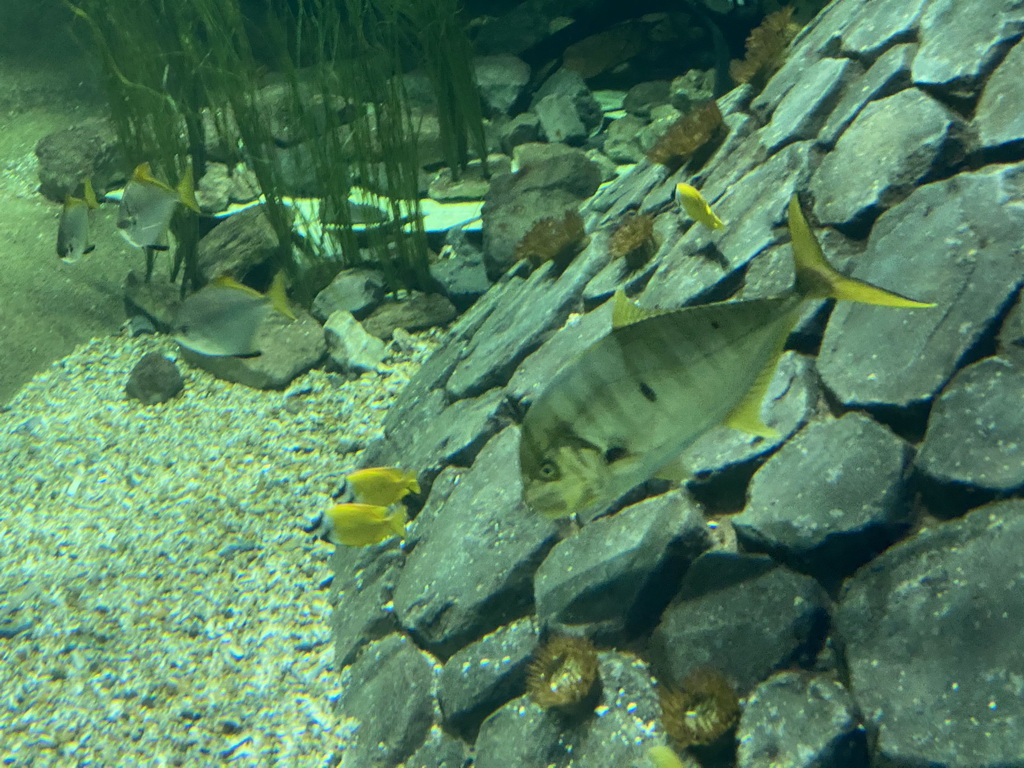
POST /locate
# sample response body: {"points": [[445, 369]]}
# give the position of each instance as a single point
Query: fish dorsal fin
{"points": [[89, 195], [676, 471], [226, 281], [279, 297], [817, 279], [626, 312], [186, 191], [143, 174]]}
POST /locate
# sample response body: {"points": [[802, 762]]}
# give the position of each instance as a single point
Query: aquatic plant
{"points": [[702, 710], [766, 48], [633, 240], [692, 136], [553, 239], [564, 675], [171, 67]]}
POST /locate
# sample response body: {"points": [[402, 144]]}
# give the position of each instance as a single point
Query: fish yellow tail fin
{"points": [[818, 279], [89, 195], [396, 520], [186, 191]]}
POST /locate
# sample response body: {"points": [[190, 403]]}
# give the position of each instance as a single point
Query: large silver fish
{"points": [[147, 205], [222, 319], [73, 227], [629, 404]]}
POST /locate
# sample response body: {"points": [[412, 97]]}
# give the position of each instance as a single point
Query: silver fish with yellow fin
{"points": [[73, 227], [628, 405], [382, 486], [222, 318], [147, 205], [697, 207], [363, 525]]}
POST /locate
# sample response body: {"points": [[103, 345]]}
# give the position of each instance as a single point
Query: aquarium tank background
{"points": [[181, 75]]}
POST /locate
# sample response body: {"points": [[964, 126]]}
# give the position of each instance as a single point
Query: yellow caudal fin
{"points": [[279, 297], [396, 520], [89, 195], [817, 279], [186, 191], [746, 415], [663, 757]]}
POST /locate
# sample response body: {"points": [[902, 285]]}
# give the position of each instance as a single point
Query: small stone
{"points": [[351, 348], [154, 379]]}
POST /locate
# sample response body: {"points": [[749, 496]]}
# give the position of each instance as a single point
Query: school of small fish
{"points": [[369, 509], [624, 409]]}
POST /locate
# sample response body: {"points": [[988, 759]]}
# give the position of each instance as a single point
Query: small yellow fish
{"points": [[363, 525], [663, 757], [382, 486], [697, 207]]}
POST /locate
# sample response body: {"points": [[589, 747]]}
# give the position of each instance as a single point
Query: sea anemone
{"points": [[633, 240], [766, 48], [701, 711], [694, 134], [564, 675], [552, 239]]}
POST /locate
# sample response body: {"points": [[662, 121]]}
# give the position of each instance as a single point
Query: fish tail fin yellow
{"points": [[816, 278], [396, 520], [186, 191], [664, 757]]}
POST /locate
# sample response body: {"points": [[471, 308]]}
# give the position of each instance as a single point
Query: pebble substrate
{"points": [[160, 603]]}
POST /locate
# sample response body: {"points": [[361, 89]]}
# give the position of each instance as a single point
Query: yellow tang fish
{"points": [[697, 207], [382, 486], [363, 525], [628, 405], [663, 757]]}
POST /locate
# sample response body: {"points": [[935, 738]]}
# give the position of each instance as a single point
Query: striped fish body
{"points": [[629, 404]]}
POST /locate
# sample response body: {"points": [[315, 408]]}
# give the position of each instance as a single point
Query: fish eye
{"points": [[549, 470]]}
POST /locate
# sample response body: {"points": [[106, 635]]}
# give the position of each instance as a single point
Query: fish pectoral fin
{"points": [[746, 416], [626, 312]]}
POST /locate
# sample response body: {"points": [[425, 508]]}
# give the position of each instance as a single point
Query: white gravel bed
{"points": [[159, 601]]}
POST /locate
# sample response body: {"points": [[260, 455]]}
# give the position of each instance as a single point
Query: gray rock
{"points": [[389, 692], [154, 379], [801, 720], [485, 675], [744, 614], [802, 111], [521, 129], [962, 40], [510, 334], [417, 312], [364, 582], [952, 251], [622, 140], [566, 82], [472, 570], [501, 80], [975, 431], [357, 290], [998, 118], [87, 151], [237, 245], [1011, 335], [523, 734], [619, 570], [889, 21], [432, 435], [864, 174], [931, 636], [642, 97], [830, 499], [559, 120], [289, 348], [888, 75], [352, 350], [692, 88], [440, 751], [213, 192], [462, 278]]}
